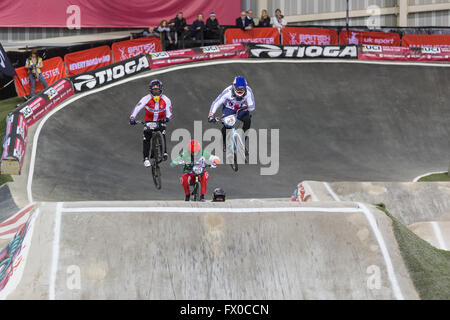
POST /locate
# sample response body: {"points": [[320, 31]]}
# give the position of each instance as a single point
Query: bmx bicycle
{"points": [[197, 169], [234, 140], [156, 148]]}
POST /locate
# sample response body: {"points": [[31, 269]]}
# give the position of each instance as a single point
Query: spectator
{"points": [[167, 35], [250, 17], [278, 21], [244, 23], [264, 21], [179, 25], [198, 27], [34, 64], [150, 32], [212, 27]]}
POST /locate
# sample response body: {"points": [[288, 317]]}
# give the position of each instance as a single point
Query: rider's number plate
{"points": [[152, 125]]}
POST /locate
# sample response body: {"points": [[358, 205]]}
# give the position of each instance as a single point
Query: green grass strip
{"points": [[436, 177], [428, 266]]}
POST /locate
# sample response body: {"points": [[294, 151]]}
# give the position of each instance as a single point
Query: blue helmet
{"points": [[155, 87], [239, 87]]}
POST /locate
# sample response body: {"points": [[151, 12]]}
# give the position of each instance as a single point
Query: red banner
{"points": [[168, 58], [131, 48], [110, 13], [421, 40], [53, 69], [369, 37], [256, 35], [371, 52], [309, 36], [86, 60], [36, 108]]}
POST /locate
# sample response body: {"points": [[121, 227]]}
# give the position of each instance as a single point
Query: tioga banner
{"points": [[369, 37], [124, 50], [426, 40], [309, 36], [86, 60], [53, 69], [256, 35]]}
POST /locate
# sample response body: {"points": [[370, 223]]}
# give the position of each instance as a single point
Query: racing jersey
{"points": [[227, 100], [185, 155], [154, 111]]}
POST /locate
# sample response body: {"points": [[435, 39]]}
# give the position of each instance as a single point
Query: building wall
{"points": [[294, 7]]}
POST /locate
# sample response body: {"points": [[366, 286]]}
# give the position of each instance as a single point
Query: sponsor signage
{"points": [[111, 73], [256, 35], [14, 143], [164, 59], [371, 52], [369, 37], [124, 50], [302, 52], [426, 40], [86, 60], [309, 36]]}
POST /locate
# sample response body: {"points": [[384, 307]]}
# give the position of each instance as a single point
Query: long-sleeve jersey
{"points": [[154, 111], [186, 156], [227, 100]]}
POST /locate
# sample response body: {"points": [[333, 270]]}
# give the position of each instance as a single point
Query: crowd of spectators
{"points": [[176, 31]]}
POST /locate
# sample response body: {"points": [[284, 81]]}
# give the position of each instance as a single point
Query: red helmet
{"points": [[194, 146]]}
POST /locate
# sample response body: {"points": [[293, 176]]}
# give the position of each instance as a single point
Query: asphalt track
{"points": [[337, 121]]}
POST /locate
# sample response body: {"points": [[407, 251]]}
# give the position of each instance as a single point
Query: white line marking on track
{"points": [[439, 237], [205, 210], [331, 192], [384, 251], [55, 251], [189, 66]]}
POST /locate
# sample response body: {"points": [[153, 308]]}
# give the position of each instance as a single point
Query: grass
{"points": [[436, 177], [6, 106], [428, 266]]}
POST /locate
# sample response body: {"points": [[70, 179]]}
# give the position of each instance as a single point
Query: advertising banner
{"points": [[111, 73], [14, 143], [124, 50], [168, 58], [369, 37], [422, 40], [269, 51], [371, 52], [86, 60], [53, 69], [110, 13], [309, 36], [256, 35]]}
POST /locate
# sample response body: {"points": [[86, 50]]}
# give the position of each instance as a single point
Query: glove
{"points": [[132, 121], [167, 120], [213, 165], [211, 119]]}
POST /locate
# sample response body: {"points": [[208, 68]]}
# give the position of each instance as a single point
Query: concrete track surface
{"points": [[337, 121], [243, 249]]}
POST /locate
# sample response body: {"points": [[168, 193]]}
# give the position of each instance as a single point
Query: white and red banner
{"points": [[256, 35], [36, 108], [309, 36], [110, 13], [124, 50], [425, 40], [372, 52], [168, 58], [53, 69], [369, 37], [86, 60]]}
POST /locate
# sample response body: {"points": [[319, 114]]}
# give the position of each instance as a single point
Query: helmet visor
{"points": [[156, 92]]}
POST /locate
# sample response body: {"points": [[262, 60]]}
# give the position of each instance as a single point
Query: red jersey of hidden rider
{"points": [[155, 109]]}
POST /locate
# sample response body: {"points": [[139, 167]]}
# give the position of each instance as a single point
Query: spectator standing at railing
{"points": [[278, 21], [264, 21], [34, 64], [167, 35], [243, 22], [179, 25], [250, 17], [212, 27], [198, 28], [150, 32]]}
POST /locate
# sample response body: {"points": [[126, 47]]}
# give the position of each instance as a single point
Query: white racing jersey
{"points": [[227, 100]]}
